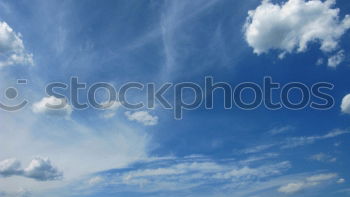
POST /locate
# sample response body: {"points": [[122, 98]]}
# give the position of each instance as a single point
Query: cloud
{"points": [[292, 142], [143, 117], [12, 49], [323, 158], [340, 181], [10, 167], [335, 60], [19, 193], [301, 141], [280, 130], [39, 169], [309, 182], [95, 180], [52, 106], [345, 104], [293, 25], [190, 174], [257, 149], [110, 108]]}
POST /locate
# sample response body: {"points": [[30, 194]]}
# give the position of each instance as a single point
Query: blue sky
{"points": [[218, 152]]}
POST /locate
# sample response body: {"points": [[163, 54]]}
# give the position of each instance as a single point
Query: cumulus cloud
{"points": [[309, 182], [52, 106], [336, 59], [143, 117], [12, 50], [292, 26], [39, 169], [10, 167], [345, 104]]}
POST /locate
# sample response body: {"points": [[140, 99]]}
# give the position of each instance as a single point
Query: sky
{"points": [[147, 152]]}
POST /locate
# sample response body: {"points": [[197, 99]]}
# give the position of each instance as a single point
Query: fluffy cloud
{"points": [[345, 104], [336, 59], [10, 167], [143, 117], [309, 182], [292, 26], [12, 49], [39, 169], [52, 106]]}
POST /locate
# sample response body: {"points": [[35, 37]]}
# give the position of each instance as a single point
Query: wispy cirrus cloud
{"points": [[309, 182], [188, 174], [305, 140]]}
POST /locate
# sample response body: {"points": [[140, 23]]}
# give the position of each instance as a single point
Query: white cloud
{"points": [[110, 108], [175, 174], [345, 104], [95, 180], [301, 141], [293, 187], [309, 182], [323, 158], [10, 167], [292, 26], [143, 117], [321, 177], [39, 169], [12, 49], [280, 130], [257, 149], [340, 181], [335, 60], [52, 106]]}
